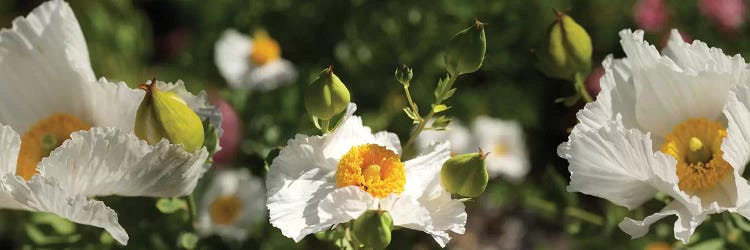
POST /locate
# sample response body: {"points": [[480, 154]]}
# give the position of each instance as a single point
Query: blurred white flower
{"points": [[504, 141], [459, 137], [317, 182], [232, 204], [676, 123], [76, 134], [252, 63]]}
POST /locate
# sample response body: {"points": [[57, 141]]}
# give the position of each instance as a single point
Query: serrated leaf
{"points": [[171, 205], [188, 240], [439, 108], [449, 94]]}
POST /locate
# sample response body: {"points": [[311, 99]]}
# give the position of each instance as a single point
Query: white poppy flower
{"points": [[233, 203], [252, 63], [455, 133], [317, 182], [504, 142], [675, 123], [65, 137]]}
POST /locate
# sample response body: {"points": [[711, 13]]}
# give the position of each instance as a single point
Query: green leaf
{"points": [[59, 224], [439, 108], [171, 205], [712, 244], [211, 139], [440, 123], [411, 114], [188, 240]]}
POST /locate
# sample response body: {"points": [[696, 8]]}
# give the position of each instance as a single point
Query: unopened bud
{"points": [[465, 51], [465, 174], [566, 50], [373, 229], [327, 96], [164, 114], [404, 75]]}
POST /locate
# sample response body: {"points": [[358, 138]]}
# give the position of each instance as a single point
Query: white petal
{"points": [[250, 191], [667, 94], [345, 204], [298, 179], [347, 135], [112, 104], [697, 57], [44, 64], [610, 163], [270, 76], [683, 227], [425, 169], [232, 55], [108, 161], [10, 144], [388, 140], [459, 137], [46, 195], [736, 146], [492, 133]]}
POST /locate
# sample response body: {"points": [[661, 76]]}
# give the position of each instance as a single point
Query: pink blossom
{"points": [[650, 15], [232, 137], [729, 15]]}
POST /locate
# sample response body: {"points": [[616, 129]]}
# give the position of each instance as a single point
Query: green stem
{"points": [[411, 103], [423, 122], [191, 207], [572, 212], [580, 85], [324, 124]]}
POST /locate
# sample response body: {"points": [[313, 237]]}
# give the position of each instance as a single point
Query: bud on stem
{"points": [[164, 114], [327, 96], [465, 174], [373, 229], [465, 51]]}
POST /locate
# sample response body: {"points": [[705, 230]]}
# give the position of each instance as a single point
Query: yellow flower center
{"points": [[500, 149], [696, 145], [225, 210], [373, 168], [265, 49], [44, 137]]}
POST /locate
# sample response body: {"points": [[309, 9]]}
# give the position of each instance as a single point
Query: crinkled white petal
{"points": [[736, 146], [248, 189], [232, 56], [345, 204], [270, 75], [47, 195], [666, 94], [683, 227], [492, 133], [297, 181], [611, 163], [109, 161], [459, 137], [425, 168], [44, 64]]}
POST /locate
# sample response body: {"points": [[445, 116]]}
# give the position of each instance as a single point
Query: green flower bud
{"points": [[327, 96], [164, 114], [465, 174], [567, 49], [465, 51], [373, 229], [404, 75]]}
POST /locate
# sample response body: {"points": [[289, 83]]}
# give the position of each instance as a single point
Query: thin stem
{"points": [[191, 207], [411, 103], [324, 124], [423, 122], [572, 212]]}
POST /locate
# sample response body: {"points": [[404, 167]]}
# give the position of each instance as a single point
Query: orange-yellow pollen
{"points": [[373, 168], [500, 149], [44, 137], [696, 145], [225, 210], [264, 49]]}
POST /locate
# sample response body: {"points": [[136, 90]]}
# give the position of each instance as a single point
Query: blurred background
{"points": [[365, 41]]}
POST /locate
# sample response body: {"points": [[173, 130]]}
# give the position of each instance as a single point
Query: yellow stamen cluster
{"points": [[225, 210], [44, 137], [373, 168], [264, 49], [500, 149], [696, 145]]}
